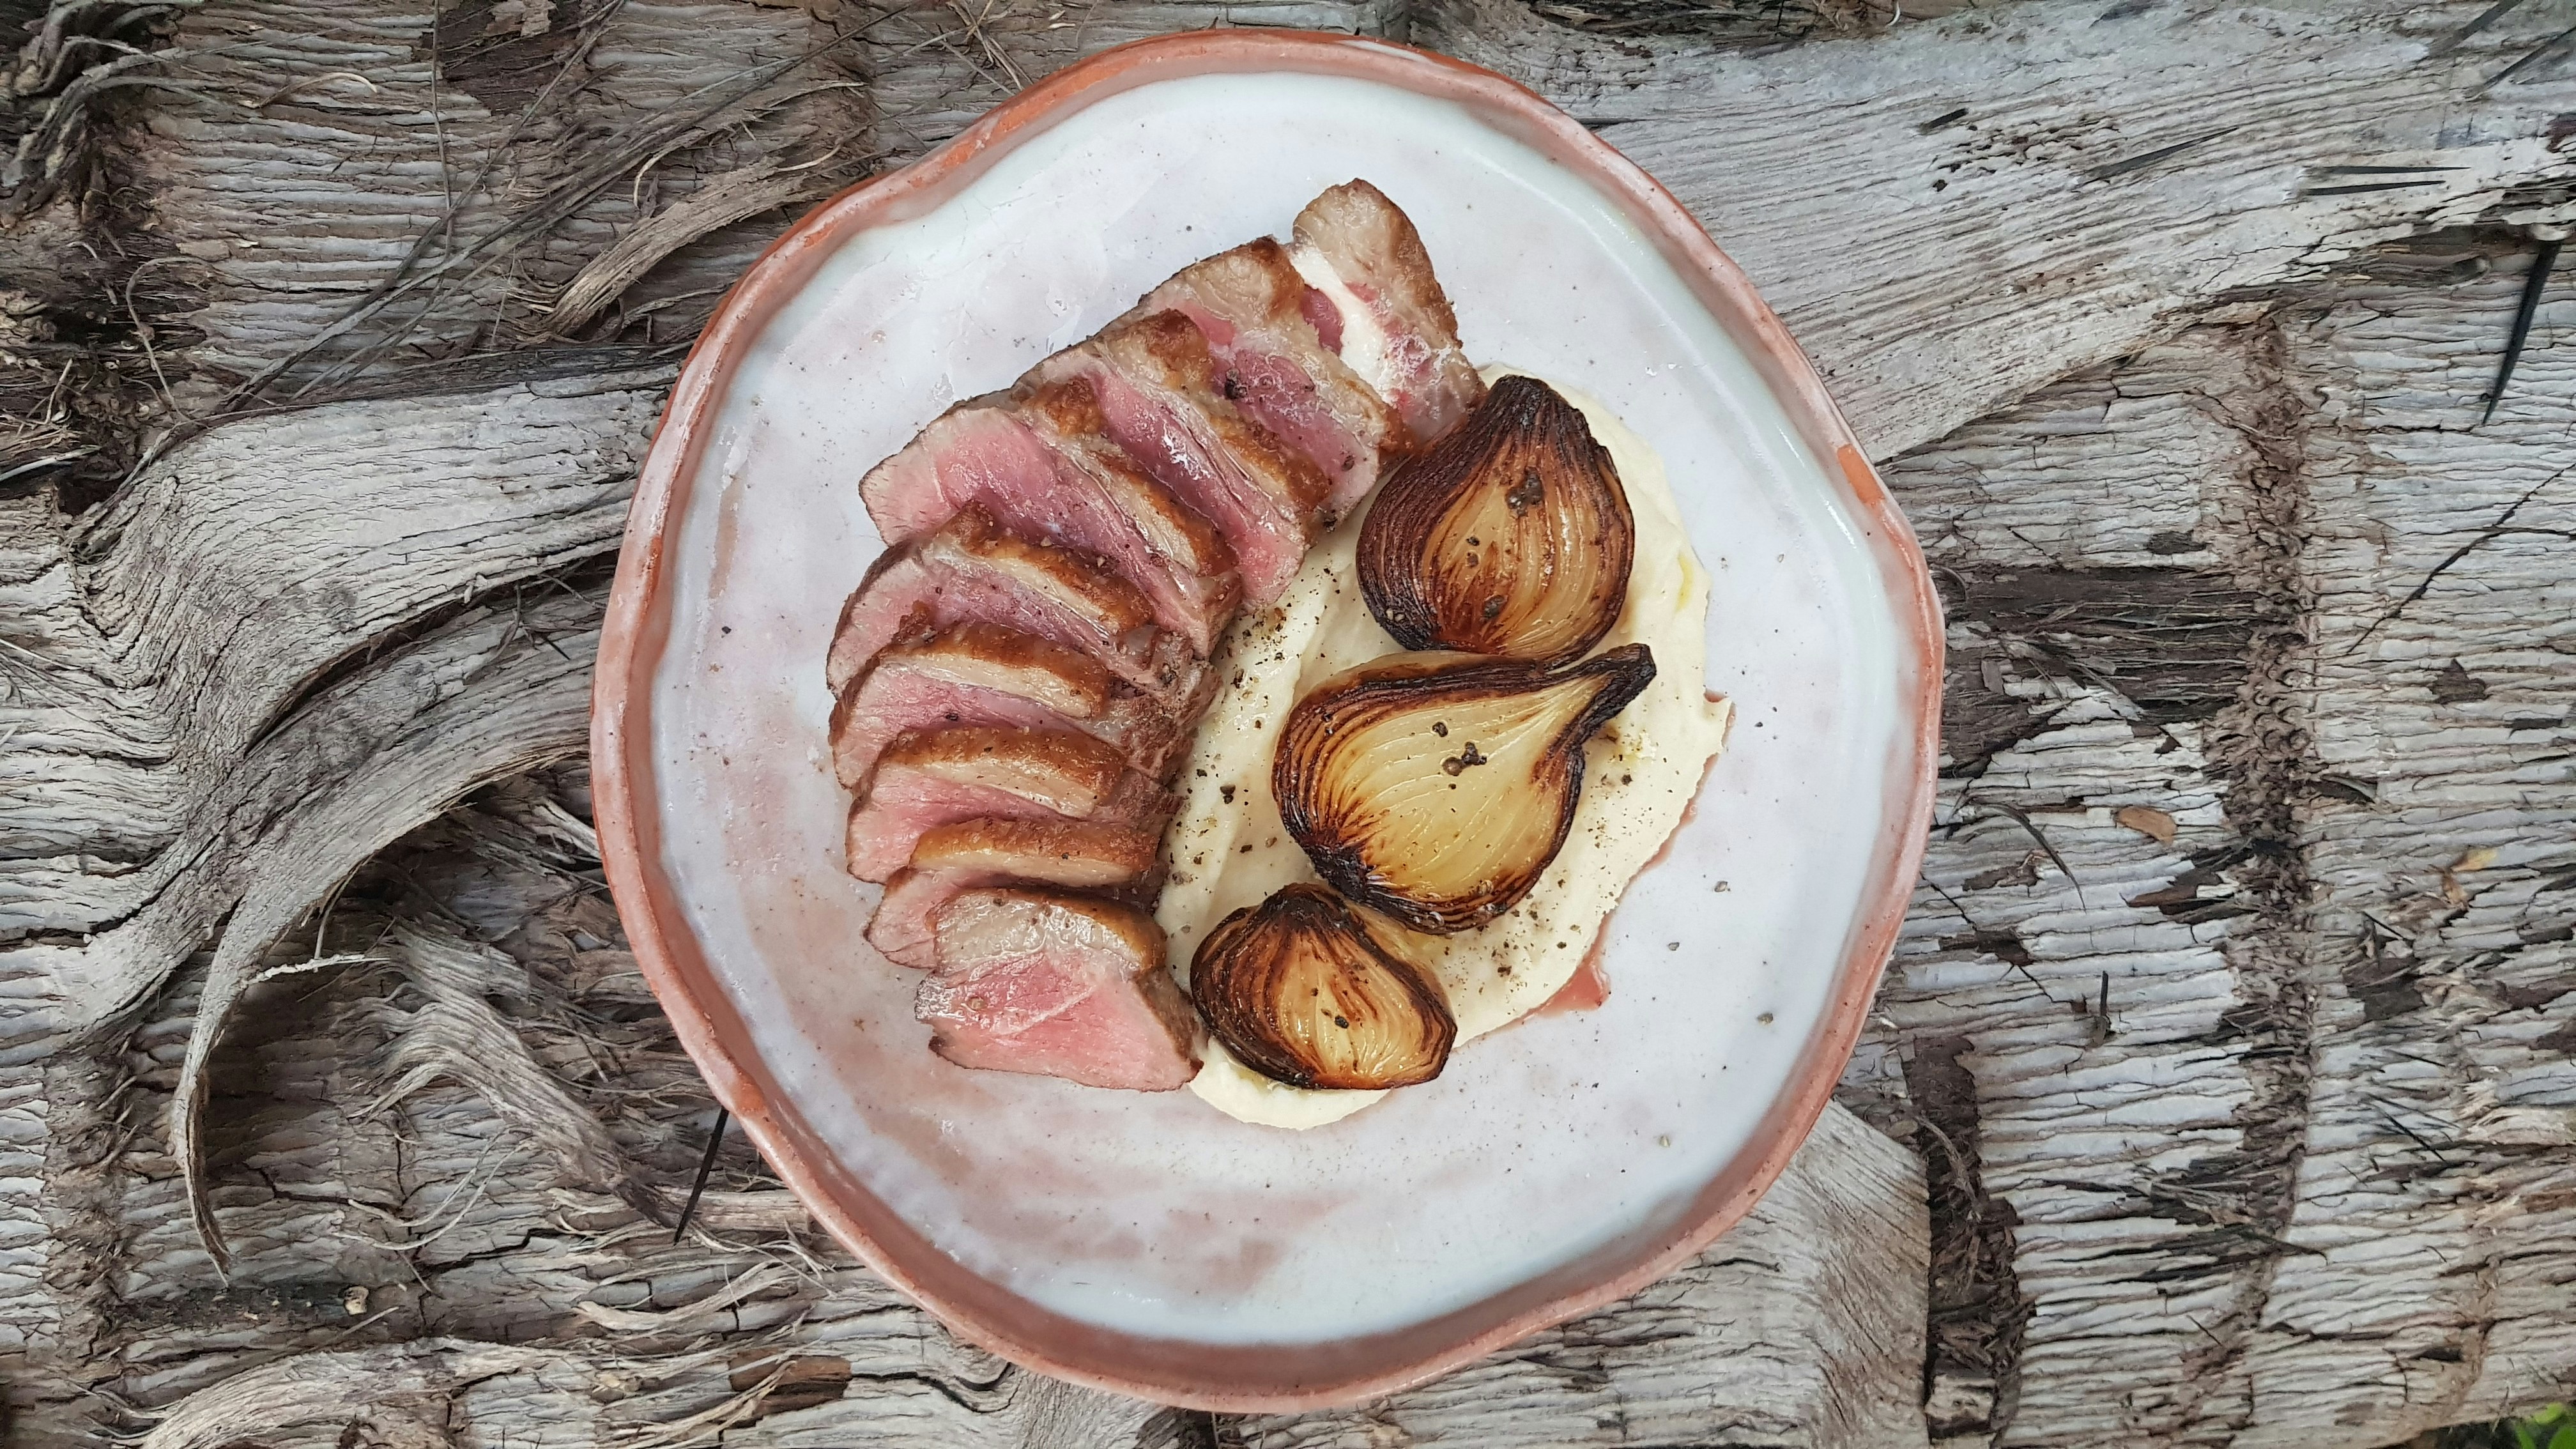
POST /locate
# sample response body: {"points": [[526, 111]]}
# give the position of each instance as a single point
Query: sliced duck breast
{"points": [[973, 569], [1060, 986], [1397, 329], [1159, 391], [975, 673], [929, 778], [972, 854], [1260, 320], [984, 452], [1205, 584]]}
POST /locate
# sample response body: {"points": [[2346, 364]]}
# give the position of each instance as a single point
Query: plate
{"points": [[1145, 1243]]}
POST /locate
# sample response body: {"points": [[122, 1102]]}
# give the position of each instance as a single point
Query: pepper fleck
{"points": [[1459, 762]]}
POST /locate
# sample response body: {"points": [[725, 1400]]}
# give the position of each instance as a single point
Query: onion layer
{"points": [[1510, 536], [1435, 788], [1304, 991]]}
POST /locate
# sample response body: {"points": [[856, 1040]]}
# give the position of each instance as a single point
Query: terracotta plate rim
{"points": [[1228, 1378]]}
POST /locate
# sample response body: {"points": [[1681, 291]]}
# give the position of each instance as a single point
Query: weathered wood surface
{"points": [[2231, 1033]]}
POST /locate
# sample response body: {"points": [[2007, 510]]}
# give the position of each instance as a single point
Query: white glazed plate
{"points": [[1541, 1148]]}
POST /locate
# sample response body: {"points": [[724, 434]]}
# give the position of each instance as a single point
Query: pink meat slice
{"points": [[984, 452], [972, 569], [926, 779], [1161, 399], [972, 854], [1060, 986], [1372, 248], [1206, 584], [1259, 318], [974, 673]]}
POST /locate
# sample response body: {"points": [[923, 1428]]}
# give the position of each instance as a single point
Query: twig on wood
{"points": [[48, 461], [445, 231], [978, 31], [2416, 1137], [2145, 159], [2551, 48], [2543, 262], [2022, 818], [2359, 188], [706, 1165], [2460, 37]]}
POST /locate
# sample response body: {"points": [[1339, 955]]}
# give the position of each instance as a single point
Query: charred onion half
{"points": [[1304, 991], [1434, 788], [1510, 536]]}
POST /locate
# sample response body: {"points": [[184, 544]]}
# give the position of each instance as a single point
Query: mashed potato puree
{"points": [[1228, 849]]}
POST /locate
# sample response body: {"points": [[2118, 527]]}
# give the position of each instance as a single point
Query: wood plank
{"points": [[934, 68], [1952, 214], [2301, 1174], [2306, 1168]]}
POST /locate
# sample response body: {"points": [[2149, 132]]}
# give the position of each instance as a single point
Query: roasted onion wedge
{"points": [[1304, 991], [1510, 536], [1435, 787]]}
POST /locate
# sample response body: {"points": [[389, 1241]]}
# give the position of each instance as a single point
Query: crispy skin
{"points": [[1159, 395], [1041, 477], [928, 778], [970, 854], [982, 674], [1070, 774], [973, 570], [1259, 318], [995, 656], [1061, 852], [1204, 590]]}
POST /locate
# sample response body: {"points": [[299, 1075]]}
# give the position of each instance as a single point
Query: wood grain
{"points": [[2254, 1125]]}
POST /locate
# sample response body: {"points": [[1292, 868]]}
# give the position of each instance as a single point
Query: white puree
{"points": [[1641, 773]]}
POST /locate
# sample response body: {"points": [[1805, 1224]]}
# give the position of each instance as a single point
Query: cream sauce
{"points": [[1228, 849]]}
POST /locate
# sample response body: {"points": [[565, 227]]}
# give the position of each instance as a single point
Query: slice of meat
{"points": [[974, 673], [974, 569], [972, 854], [1398, 332], [982, 452], [1160, 397], [1205, 586], [1070, 774], [1059, 986], [1063, 852], [929, 778], [1260, 319]]}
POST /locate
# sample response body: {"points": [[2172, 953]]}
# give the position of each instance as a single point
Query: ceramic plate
{"points": [[1144, 1242]]}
